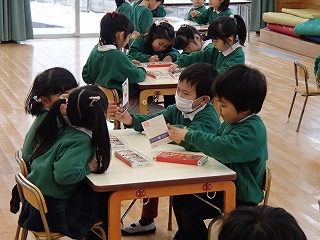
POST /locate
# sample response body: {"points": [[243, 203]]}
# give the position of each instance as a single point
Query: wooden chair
{"points": [[301, 76], [112, 95], [29, 192]]}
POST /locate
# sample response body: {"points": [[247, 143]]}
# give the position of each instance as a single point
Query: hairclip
{"points": [[36, 98], [94, 99], [114, 13], [64, 96], [157, 23], [231, 16]]}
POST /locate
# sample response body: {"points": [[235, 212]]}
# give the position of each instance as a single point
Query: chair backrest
{"points": [[21, 162], [111, 94], [267, 185], [32, 194], [300, 71]]}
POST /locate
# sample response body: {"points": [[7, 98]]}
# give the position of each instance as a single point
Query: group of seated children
{"points": [[71, 119]]}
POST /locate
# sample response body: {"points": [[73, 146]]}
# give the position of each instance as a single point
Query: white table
{"points": [[162, 179]]}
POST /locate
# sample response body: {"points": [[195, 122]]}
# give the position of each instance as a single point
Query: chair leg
{"points": [[24, 234], [16, 237], [100, 232], [302, 112], [294, 97], [170, 214], [211, 224]]}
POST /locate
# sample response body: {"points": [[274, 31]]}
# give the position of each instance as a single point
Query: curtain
{"points": [[15, 20], [258, 7]]}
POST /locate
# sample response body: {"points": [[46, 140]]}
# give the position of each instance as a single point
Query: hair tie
{"points": [[64, 96], [231, 16], [157, 23], [94, 99], [36, 98], [114, 13]]}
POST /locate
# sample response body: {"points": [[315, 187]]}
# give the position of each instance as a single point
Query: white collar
{"points": [[206, 43], [104, 48], [246, 117], [128, 2], [192, 114], [215, 10], [84, 130], [231, 49]]}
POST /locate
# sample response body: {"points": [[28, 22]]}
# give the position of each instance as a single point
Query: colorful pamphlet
{"points": [[133, 158], [183, 158], [117, 142]]}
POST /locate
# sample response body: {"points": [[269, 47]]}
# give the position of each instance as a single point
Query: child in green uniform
{"points": [[124, 7], [228, 38], [192, 109], [240, 143], [160, 11], [198, 5], [189, 40], [142, 16], [156, 45], [106, 59], [58, 169], [217, 9]]}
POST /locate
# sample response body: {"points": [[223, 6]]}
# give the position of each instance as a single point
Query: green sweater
{"points": [[59, 169], [201, 9], [209, 15], [110, 69], [126, 9], [214, 57], [160, 11], [241, 146], [142, 19], [138, 51], [27, 148], [206, 120]]}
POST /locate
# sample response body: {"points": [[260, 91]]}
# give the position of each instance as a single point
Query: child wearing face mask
{"points": [[193, 109]]}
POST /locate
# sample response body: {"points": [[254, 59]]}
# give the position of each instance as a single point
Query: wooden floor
{"points": [[293, 157]]}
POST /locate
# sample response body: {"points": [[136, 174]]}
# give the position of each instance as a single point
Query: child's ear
{"points": [[230, 40], [120, 35], [205, 99], [197, 37], [45, 102]]}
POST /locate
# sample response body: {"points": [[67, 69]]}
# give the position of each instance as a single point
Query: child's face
{"points": [[188, 92], [198, 3], [215, 3], [220, 45], [160, 44], [194, 46], [228, 112], [153, 4], [48, 101]]}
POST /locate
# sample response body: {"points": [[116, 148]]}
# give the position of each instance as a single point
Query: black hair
{"points": [[260, 222], [243, 86], [202, 75], [119, 2], [50, 82], [162, 31], [224, 27], [185, 36], [110, 24], [224, 6], [82, 111]]}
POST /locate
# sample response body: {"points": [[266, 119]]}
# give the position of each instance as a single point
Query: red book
{"points": [[184, 158], [133, 158], [159, 64]]}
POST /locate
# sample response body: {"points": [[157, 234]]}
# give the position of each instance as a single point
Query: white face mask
{"points": [[185, 105]]}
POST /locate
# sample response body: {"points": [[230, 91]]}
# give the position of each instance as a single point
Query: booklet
{"points": [[183, 158], [133, 158], [117, 142]]}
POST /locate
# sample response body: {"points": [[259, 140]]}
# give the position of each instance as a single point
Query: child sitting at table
{"points": [[192, 109], [124, 7], [228, 38], [156, 45], [72, 141], [160, 11], [142, 16], [189, 40], [240, 143], [217, 9], [198, 5]]}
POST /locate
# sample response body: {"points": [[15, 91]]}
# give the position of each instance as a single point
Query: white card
{"points": [[125, 94], [156, 131]]}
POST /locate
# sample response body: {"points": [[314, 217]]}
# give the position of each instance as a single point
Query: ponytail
{"points": [[241, 29]]}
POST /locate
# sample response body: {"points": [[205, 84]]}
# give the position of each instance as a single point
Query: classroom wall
{"points": [[278, 4]]}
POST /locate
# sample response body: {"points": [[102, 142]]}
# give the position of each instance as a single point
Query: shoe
{"points": [[136, 229]]}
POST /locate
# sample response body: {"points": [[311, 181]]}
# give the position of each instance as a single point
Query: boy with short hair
{"points": [[240, 143], [193, 109]]}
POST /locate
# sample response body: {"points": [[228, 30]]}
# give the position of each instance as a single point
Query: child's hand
{"points": [[123, 116], [111, 108], [176, 134], [136, 62], [93, 165], [154, 58], [194, 13], [173, 67], [167, 59]]}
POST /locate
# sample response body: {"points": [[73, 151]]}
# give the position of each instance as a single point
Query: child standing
{"points": [[58, 169], [160, 11], [189, 40], [192, 109], [124, 7], [156, 45], [198, 7], [228, 38], [240, 143], [217, 9], [106, 58], [142, 16]]}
